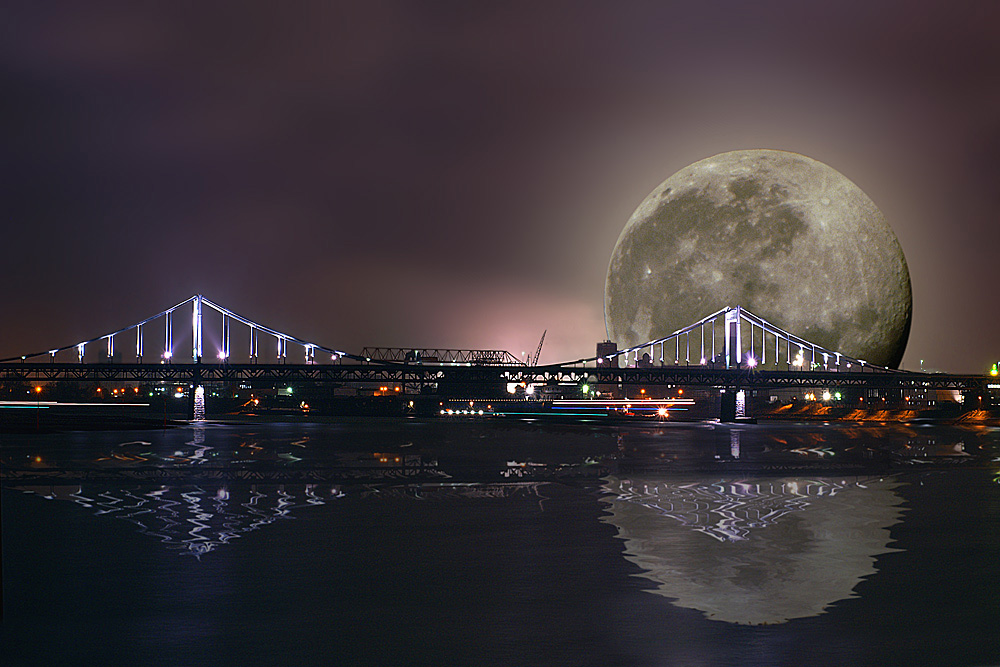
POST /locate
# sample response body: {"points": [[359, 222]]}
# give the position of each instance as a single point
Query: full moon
{"points": [[780, 234]]}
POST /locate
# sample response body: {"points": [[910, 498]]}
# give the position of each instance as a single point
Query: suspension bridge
{"points": [[730, 349]]}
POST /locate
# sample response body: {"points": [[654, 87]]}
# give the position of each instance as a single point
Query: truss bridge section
{"points": [[409, 355]]}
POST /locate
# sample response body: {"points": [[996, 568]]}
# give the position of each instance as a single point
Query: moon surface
{"points": [[780, 234]]}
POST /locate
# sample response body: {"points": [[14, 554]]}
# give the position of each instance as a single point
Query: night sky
{"points": [[457, 174]]}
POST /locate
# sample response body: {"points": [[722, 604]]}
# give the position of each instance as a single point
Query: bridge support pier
{"points": [[733, 405], [727, 407], [193, 403]]}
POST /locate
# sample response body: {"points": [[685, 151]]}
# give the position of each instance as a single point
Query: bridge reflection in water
{"points": [[194, 520], [754, 550], [745, 525]]}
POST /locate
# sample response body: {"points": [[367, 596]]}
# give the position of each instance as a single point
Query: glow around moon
{"points": [[778, 233]]}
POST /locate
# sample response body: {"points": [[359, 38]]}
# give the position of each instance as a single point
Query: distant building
{"points": [[605, 349]]}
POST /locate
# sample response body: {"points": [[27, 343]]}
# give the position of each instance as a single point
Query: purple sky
{"points": [[458, 176]]}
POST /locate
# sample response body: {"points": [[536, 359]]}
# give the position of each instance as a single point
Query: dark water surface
{"points": [[502, 543]]}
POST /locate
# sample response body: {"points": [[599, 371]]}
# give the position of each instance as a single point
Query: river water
{"points": [[500, 542]]}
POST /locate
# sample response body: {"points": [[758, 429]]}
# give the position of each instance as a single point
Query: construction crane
{"points": [[538, 352]]}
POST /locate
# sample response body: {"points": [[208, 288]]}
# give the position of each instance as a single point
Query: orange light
{"points": [[642, 391], [680, 391], [396, 388], [98, 390], [38, 390]]}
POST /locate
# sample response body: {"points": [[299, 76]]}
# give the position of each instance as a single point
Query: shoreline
{"points": [[29, 422]]}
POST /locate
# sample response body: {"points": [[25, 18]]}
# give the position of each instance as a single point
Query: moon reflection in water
{"points": [[753, 551]]}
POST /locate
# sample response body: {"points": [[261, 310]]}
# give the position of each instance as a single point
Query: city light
{"points": [[751, 361]]}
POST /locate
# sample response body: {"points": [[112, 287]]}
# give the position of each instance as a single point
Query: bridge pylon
{"points": [[196, 328], [733, 346]]}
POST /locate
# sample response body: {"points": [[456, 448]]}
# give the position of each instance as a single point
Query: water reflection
{"points": [[753, 550], [197, 519], [749, 524], [194, 520]]}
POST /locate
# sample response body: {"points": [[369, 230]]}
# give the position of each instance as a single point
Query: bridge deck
{"points": [[421, 374]]}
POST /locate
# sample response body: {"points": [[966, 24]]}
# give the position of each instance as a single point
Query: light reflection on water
{"points": [[194, 520], [505, 543], [754, 550], [748, 550]]}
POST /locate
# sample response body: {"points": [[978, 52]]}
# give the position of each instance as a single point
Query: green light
{"points": [[289, 390], [837, 395], [585, 388]]}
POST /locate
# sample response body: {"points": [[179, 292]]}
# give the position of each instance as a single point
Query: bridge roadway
{"points": [[433, 374]]}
